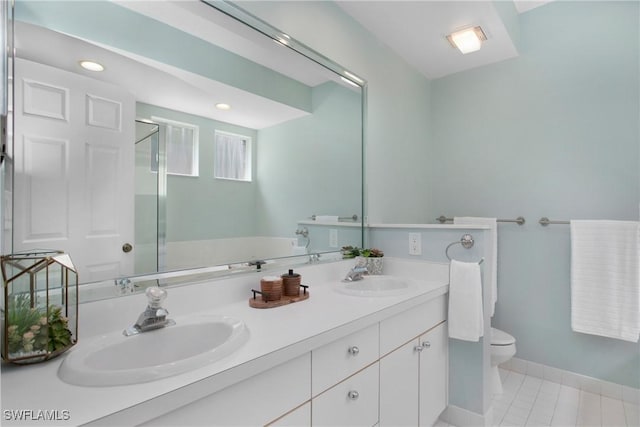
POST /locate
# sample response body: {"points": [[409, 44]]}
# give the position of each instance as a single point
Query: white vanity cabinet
{"points": [[413, 367], [300, 416], [352, 402], [255, 401], [344, 380]]}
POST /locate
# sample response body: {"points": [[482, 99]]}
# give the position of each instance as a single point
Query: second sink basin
{"points": [[375, 286], [115, 359]]}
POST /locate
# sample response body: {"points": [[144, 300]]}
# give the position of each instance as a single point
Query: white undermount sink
{"points": [[375, 286], [115, 359]]}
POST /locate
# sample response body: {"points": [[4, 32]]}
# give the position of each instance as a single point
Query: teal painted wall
{"points": [[316, 163], [397, 112], [200, 208], [551, 133]]}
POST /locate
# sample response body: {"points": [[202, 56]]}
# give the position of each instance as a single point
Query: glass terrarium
{"points": [[39, 305]]}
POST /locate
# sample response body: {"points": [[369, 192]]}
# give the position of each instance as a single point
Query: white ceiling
{"points": [[417, 30]]}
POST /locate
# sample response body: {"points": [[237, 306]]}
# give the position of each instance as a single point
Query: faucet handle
{"points": [[156, 296]]}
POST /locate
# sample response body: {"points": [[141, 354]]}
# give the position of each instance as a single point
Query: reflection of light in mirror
{"points": [[91, 65], [223, 106], [353, 77], [344, 79], [282, 39]]}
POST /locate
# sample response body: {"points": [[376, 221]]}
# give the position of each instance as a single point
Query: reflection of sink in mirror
{"points": [[375, 286], [115, 359]]}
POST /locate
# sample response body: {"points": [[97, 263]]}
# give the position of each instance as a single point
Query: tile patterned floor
{"points": [[530, 401]]}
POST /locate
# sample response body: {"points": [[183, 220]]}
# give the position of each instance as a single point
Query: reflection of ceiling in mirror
{"points": [[152, 82], [205, 22]]}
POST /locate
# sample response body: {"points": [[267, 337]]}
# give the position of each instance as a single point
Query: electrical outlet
{"points": [[333, 238], [415, 244]]}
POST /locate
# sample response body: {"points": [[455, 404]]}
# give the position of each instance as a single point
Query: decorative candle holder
{"points": [[40, 305]]}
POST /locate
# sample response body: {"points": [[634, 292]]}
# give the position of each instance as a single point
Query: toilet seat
{"points": [[501, 338]]}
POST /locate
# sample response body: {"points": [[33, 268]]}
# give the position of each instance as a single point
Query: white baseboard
{"points": [[571, 379], [460, 417]]}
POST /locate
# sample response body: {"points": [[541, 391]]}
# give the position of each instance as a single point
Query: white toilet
{"points": [[503, 348]]}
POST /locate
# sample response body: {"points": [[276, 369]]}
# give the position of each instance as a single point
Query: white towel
{"points": [[327, 218], [492, 248], [466, 321], [605, 278]]}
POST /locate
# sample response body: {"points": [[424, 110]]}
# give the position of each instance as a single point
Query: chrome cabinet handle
{"points": [[353, 395], [426, 344], [354, 350], [418, 348]]}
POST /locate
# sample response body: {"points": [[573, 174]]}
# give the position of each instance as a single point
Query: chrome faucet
{"points": [[154, 316], [356, 273]]}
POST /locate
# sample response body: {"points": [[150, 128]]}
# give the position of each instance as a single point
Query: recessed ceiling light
{"points": [[223, 106], [91, 65], [467, 40]]}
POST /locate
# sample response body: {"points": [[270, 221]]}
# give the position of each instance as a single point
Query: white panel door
{"points": [[74, 169]]}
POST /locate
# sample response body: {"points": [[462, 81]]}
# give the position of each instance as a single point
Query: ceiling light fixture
{"points": [[91, 65], [467, 40], [223, 106]]}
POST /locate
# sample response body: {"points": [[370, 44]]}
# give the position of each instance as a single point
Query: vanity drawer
{"points": [[333, 362], [353, 402], [403, 327]]}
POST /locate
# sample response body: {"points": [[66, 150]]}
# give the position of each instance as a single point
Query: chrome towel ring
{"points": [[466, 241]]}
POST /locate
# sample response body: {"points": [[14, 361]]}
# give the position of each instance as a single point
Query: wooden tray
{"points": [[259, 303]]}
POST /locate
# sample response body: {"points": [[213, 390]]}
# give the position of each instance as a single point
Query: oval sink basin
{"points": [[115, 359], [375, 286]]}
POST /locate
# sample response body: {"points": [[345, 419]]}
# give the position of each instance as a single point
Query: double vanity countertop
{"points": [[275, 336]]}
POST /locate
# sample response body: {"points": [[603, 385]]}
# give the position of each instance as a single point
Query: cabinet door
{"points": [[353, 402], [297, 418], [252, 402], [399, 386], [334, 362], [433, 374]]}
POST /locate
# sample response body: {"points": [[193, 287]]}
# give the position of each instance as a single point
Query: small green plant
{"points": [[31, 330], [354, 251]]}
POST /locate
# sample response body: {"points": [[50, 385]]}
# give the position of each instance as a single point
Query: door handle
{"points": [[126, 248]]}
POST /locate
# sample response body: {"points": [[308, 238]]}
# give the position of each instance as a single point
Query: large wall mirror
{"points": [[191, 140]]}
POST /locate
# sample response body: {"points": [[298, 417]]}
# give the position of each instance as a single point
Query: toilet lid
{"points": [[499, 337]]}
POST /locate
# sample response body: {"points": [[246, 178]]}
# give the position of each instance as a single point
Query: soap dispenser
{"points": [[291, 283]]}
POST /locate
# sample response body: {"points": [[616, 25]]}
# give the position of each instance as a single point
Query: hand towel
{"points": [[466, 321], [327, 218], [492, 249], [605, 278]]}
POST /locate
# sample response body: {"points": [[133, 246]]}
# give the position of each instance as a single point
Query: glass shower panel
{"points": [[146, 198]]}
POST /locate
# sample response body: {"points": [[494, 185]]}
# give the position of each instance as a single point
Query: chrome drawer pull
{"points": [[426, 344], [418, 348], [353, 395], [354, 350]]}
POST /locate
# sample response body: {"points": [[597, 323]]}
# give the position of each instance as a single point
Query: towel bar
{"points": [[353, 217], [520, 220], [544, 221]]}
